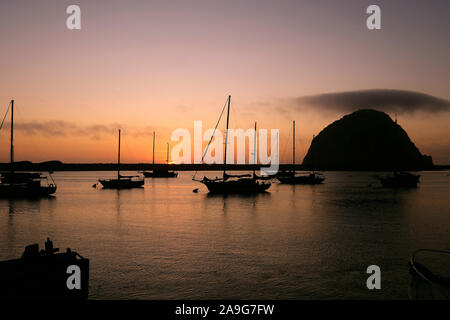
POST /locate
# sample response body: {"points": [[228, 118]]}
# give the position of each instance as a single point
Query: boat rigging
{"points": [[22, 184], [290, 178], [159, 173], [122, 182], [244, 183]]}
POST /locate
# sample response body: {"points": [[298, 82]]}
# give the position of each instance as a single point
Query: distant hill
{"points": [[365, 140]]}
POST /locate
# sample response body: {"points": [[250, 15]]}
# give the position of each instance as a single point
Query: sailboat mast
{"points": [[12, 136], [118, 160], [153, 158], [167, 161], [254, 153], [226, 138], [293, 147]]}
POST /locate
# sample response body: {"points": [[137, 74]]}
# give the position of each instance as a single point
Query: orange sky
{"points": [[160, 65]]}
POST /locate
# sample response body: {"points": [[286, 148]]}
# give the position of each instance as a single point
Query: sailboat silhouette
{"points": [[291, 178], [22, 184], [122, 182], [159, 173], [244, 183]]}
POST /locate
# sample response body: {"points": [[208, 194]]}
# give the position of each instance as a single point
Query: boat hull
{"points": [[425, 283], [26, 190], [400, 181], [242, 186], [301, 180], [160, 174], [426, 288], [121, 184], [43, 277]]}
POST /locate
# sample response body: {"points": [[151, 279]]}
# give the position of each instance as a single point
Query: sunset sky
{"points": [[149, 66]]}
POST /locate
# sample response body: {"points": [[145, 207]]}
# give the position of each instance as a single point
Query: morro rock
{"points": [[365, 140]]}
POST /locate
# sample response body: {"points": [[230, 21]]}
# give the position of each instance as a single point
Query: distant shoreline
{"points": [[60, 166]]}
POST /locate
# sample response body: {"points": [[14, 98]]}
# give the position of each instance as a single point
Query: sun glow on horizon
{"points": [[132, 66]]}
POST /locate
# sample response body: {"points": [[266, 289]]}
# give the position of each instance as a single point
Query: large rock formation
{"points": [[365, 140]]}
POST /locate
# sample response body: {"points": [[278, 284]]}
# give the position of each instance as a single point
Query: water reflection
{"points": [[22, 206], [118, 203], [238, 195], [293, 242], [243, 200]]}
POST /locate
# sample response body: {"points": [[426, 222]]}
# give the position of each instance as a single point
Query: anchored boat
{"points": [[243, 184], [122, 182], [160, 173], [23, 184], [291, 178], [311, 178], [400, 180]]}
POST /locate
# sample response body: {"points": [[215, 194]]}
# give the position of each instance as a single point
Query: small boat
{"points": [[400, 180], [289, 177], [427, 284], [122, 182], [160, 173], [243, 185], [23, 184], [311, 178], [45, 274], [237, 184]]}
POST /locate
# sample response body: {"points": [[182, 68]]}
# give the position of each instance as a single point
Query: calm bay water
{"points": [[295, 242]]}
